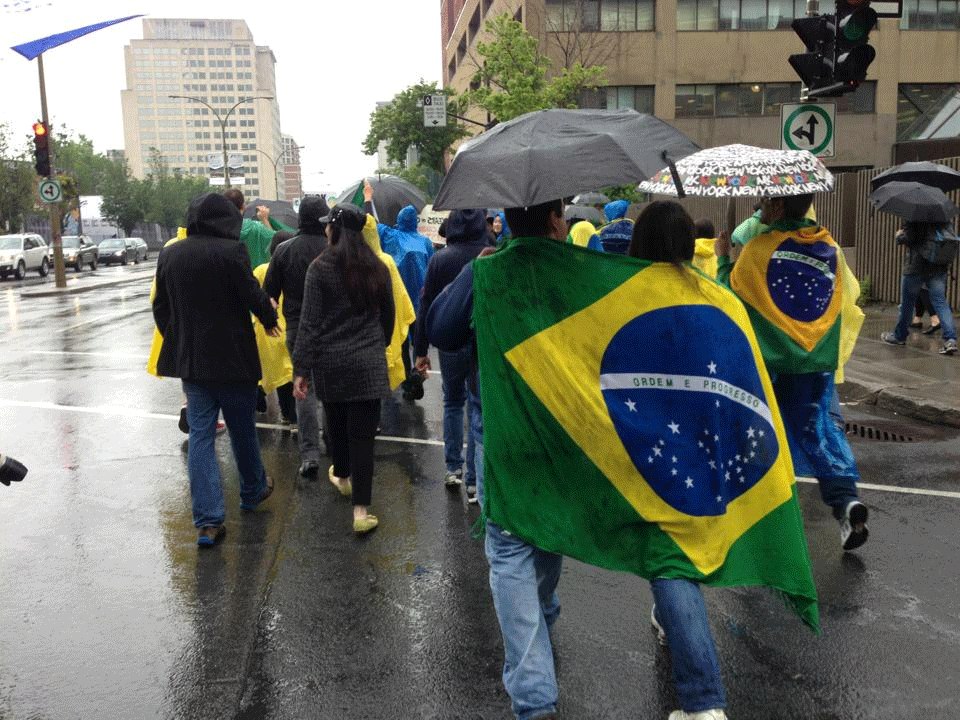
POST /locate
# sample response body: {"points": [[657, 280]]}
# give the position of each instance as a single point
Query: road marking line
{"points": [[111, 410], [131, 356]]}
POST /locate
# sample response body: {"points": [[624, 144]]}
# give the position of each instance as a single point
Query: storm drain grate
{"points": [[869, 432]]}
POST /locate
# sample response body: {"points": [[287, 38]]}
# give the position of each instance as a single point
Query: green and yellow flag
{"points": [[629, 421]]}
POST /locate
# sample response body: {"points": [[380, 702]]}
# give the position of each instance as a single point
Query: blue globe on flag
{"points": [[800, 277], [684, 394]]}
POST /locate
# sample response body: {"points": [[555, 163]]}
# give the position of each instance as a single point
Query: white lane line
{"points": [[130, 356], [114, 411], [107, 318]]}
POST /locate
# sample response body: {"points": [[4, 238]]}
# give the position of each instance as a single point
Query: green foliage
{"points": [[168, 193], [515, 78], [866, 291], [400, 125], [418, 175], [17, 183], [124, 198], [625, 192]]}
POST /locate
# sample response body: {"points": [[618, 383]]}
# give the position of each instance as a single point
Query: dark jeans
{"points": [[352, 430], [910, 289]]}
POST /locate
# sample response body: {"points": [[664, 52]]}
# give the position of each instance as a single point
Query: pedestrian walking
{"points": [[255, 234], [284, 282], [793, 278], [930, 250], [205, 295], [346, 323], [615, 235], [467, 237], [925, 307]]}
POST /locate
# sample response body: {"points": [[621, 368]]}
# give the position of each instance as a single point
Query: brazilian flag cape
{"points": [[797, 289], [629, 421]]}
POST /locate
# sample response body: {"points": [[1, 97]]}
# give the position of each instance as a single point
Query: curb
{"points": [[907, 401], [84, 287]]}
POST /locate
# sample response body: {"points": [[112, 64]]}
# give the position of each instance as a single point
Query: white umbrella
{"points": [[743, 170]]}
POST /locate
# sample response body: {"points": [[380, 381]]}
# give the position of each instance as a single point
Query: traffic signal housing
{"points": [[855, 20], [41, 149], [815, 66]]}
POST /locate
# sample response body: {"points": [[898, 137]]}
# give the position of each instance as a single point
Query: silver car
{"points": [[20, 253]]}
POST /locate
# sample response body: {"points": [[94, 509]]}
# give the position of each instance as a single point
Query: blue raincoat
{"points": [[616, 234], [505, 230], [409, 250]]}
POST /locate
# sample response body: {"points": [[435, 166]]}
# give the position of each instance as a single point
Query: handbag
{"points": [[940, 247]]}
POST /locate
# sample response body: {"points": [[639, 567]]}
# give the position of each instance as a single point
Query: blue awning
{"points": [[31, 49]]}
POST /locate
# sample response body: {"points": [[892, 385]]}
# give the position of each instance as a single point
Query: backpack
{"points": [[940, 247]]}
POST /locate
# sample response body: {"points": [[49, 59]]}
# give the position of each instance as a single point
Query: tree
{"points": [[514, 77], [17, 184], [400, 124], [574, 31], [124, 198], [168, 193]]}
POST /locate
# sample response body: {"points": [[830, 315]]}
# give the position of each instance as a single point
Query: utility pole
{"points": [[55, 229]]}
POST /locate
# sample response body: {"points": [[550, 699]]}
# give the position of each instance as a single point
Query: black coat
{"points": [[205, 294]]}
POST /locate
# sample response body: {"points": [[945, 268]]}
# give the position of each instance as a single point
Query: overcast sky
{"points": [[334, 62]]}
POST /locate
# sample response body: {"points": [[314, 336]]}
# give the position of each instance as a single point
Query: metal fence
{"points": [[866, 235]]}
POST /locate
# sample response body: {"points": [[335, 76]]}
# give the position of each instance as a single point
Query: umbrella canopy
{"points": [[928, 173], [583, 212], [914, 202], [744, 170], [390, 195], [280, 210], [551, 154], [591, 198]]}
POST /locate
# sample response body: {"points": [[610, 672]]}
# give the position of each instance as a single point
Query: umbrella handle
{"points": [[677, 183]]}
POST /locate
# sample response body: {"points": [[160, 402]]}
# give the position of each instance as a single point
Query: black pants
{"points": [[288, 405], [352, 429], [923, 304]]}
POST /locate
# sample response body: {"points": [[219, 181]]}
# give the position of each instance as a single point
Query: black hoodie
{"points": [[467, 236]]}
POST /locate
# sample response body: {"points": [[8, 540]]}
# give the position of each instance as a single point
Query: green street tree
{"points": [[400, 125], [124, 198], [514, 77], [169, 192], [17, 183]]}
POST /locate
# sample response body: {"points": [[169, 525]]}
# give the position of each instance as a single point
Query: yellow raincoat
{"points": [[581, 232], [705, 256], [403, 308], [275, 363], [157, 337]]}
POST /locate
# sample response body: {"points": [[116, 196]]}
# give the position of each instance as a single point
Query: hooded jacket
{"points": [[409, 250], [467, 236], [615, 235], [205, 294]]}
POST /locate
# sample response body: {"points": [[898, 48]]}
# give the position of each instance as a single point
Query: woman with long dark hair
{"points": [[346, 324]]}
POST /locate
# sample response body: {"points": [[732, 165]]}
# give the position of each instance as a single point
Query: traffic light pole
{"points": [[55, 229]]}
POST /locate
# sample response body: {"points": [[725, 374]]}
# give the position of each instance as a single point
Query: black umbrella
{"points": [[390, 195], [591, 198], [914, 202], [550, 154], [280, 210], [582, 212], [927, 173]]}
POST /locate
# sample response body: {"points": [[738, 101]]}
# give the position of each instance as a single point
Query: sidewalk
{"points": [[912, 380], [86, 284]]}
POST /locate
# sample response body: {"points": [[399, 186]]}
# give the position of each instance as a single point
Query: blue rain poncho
{"points": [[409, 250]]}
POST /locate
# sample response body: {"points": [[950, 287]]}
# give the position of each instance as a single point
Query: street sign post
{"points": [[808, 126], [50, 191], [434, 111]]}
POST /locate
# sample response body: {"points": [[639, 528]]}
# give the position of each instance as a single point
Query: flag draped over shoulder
{"points": [[797, 289], [629, 421]]}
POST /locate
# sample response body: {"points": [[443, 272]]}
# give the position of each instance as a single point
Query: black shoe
{"points": [[853, 525], [183, 424], [310, 469], [932, 330], [916, 325], [11, 470]]}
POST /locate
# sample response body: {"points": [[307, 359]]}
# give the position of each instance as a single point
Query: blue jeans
{"points": [[696, 672], [239, 405], [454, 371], [476, 434], [523, 581], [818, 443], [910, 290]]}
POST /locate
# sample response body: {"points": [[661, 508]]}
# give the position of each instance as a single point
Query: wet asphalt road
{"points": [[108, 610]]}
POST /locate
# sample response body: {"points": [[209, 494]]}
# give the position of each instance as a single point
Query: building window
{"points": [[738, 14], [600, 15], [613, 97], [915, 99], [930, 15], [734, 100]]}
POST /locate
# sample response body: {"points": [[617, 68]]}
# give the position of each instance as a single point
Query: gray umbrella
{"points": [[583, 212], [551, 154], [390, 195], [928, 173], [591, 198], [914, 202], [280, 210]]}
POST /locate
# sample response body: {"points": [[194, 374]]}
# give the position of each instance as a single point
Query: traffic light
{"points": [[41, 149], [855, 20], [815, 67]]}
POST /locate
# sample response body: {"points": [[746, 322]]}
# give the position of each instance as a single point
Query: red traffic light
{"points": [[39, 129]]}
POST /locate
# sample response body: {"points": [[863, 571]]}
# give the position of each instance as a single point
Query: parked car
{"points": [[143, 251], [79, 250], [116, 250], [19, 253]]}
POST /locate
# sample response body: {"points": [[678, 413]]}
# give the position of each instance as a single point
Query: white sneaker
{"points": [[453, 479], [853, 527], [715, 714], [661, 633]]}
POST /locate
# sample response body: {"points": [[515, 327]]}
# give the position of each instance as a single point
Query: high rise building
{"points": [[218, 64], [717, 69], [292, 185]]}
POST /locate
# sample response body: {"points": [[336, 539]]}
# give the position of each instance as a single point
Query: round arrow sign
{"points": [[809, 127], [50, 191]]}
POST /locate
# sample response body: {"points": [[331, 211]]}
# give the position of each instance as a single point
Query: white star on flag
{"points": [[719, 498], [689, 482], [751, 432], [726, 475], [713, 465], [712, 367], [674, 472], [632, 405], [673, 459], [674, 428], [656, 451]]}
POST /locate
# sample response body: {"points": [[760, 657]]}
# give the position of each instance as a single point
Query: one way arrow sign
{"points": [[808, 126]]}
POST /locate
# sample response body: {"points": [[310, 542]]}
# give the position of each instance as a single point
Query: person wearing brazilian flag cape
{"points": [[801, 298], [629, 422]]}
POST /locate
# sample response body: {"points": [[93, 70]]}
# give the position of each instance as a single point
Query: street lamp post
{"points": [[276, 162], [223, 124]]}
